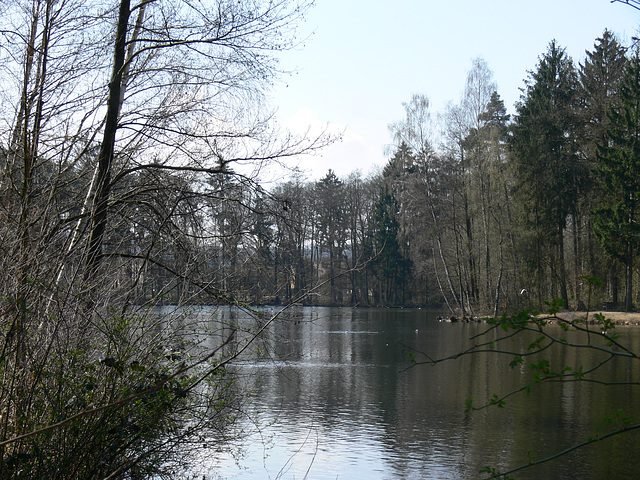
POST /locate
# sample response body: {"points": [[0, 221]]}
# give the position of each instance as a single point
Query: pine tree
{"points": [[550, 174], [389, 264], [330, 193], [495, 116], [618, 165], [600, 78]]}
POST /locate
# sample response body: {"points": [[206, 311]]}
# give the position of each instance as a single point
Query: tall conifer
{"points": [[600, 78], [545, 155], [618, 166]]}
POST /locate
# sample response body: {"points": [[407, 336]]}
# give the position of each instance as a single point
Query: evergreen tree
{"points": [[390, 267], [402, 163], [618, 165], [600, 77], [495, 117], [545, 155], [330, 210]]}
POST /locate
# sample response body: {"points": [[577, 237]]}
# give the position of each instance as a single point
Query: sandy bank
{"points": [[619, 318]]}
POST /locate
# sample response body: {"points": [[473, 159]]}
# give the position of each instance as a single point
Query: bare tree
{"points": [[116, 118]]}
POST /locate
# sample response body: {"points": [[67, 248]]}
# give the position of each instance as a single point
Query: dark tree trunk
{"points": [[98, 219], [628, 304]]}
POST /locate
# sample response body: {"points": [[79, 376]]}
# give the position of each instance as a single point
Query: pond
{"points": [[334, 399]]}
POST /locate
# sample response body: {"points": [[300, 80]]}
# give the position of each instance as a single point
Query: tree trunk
{"points": [[98, 219], [576, 259], [563, 268], [613, 279], [628, 304]]}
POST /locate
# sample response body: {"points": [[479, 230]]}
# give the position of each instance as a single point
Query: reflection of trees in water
{"points": [[341, 373]]}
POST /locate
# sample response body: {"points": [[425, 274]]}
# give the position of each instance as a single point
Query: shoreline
{"points": [[618, 318]]}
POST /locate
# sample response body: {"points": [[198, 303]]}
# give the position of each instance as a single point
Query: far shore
{"points": [[619, 318]]}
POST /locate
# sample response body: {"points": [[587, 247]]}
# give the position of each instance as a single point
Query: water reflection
{"points": [[335, 401]]}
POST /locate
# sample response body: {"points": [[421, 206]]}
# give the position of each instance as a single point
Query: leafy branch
{"points": [[546, 330]]}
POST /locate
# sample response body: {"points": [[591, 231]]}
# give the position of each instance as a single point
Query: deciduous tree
{"points": [[115, 117]]}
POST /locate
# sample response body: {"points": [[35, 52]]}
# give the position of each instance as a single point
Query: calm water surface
{"points": [[334, 400]]}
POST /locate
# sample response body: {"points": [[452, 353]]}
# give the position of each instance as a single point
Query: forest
{"points": [[133, 137], [477, 211]]}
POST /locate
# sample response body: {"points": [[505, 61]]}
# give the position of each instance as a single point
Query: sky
{"points": [[361, 59]]}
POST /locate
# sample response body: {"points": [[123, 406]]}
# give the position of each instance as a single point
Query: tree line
{"points": [[477, 210]]}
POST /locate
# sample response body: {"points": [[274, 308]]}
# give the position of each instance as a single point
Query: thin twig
{"points": [[122, 401], [564, 452]]}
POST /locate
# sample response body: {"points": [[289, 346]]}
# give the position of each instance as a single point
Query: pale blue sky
{"points": [[365, 57]]}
